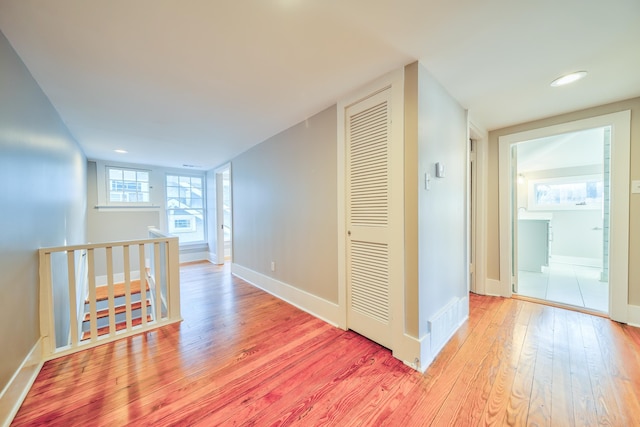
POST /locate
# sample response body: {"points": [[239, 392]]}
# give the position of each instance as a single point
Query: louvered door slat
{"points": [[368, 158], [367, 145]]}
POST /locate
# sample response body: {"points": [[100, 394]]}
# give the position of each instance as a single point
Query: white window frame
{"points": [[107, 184], [190, 228], [533, 204], [203, 209]]}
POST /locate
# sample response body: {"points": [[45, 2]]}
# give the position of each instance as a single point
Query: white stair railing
{"points": [[81, 312]]}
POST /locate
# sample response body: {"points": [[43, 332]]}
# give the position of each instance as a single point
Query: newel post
{"points": [[46, 304], [174, 279]]}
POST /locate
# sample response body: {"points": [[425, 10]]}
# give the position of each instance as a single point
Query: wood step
{"points": [[119, 326], [102, 292], [118, 309]]}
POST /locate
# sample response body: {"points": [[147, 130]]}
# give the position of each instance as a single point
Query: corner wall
{"points": [[285, 211], [442, 215], [43, 198]]}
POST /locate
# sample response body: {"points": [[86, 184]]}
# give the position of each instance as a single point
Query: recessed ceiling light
{"points": [[568, 78], [121, 151]]}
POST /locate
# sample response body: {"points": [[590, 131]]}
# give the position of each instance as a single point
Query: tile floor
{"points": [[567, 284]]}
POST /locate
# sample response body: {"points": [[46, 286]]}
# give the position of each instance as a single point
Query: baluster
{"points": [[73, 300], [111, 296], [127, 285], [93, 322], [143, 286], [158, 278]]}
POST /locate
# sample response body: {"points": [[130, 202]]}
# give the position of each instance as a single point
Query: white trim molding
{"points": [[19, 385], [620, 123], [213, 258], [634, 316], [312, 304], [194, 256], [481, 136], [494, 288], [420, 353], [394, 82]]}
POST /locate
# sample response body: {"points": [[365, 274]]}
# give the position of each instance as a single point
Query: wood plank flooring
{"points": [[243, 357]]}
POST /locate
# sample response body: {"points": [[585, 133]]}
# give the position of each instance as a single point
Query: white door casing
{"points": [[368, 135], [620, 123], [220, 252], [371, 211]]}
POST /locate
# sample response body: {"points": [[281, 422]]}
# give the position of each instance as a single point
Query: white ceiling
{"points": [[200, 81], [569, 150]]}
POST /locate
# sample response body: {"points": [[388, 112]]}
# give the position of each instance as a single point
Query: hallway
{"points": [[243, 357]]}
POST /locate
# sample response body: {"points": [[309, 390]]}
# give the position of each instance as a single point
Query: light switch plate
{"points": [[635, 187]]}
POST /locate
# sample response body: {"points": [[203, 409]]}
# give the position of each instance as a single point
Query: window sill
{"points": [[194, 247], [129, 208]]}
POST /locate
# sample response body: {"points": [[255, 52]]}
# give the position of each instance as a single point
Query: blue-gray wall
{"points": [[285, 206], [442, 210], [42, 201]]}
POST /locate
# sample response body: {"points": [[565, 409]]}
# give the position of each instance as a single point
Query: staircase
{"points": [[120, 308], [78, 311]]}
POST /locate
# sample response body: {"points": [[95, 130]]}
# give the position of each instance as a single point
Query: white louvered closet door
{"points": [[368, 125]]}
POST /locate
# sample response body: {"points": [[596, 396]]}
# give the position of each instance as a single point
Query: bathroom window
{"points": [[581, 192]]}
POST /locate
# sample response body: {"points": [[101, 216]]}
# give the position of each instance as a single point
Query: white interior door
{"points": [[224, 218], [219, 219], [368, 142]]}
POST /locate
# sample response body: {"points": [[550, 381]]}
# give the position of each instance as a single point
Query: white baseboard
{"points": [[19, 385], [446, 322], [194, 256], [420, 353], [634, 316], [494, 288], [312, 304], [213, 258], [573, 260], [410, 351]]}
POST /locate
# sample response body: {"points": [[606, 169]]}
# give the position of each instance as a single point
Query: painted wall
{"points": [[105, 225], [42, 199], [577, 234], [442, 231], [109, 225], [285, 208], [493, 244]]}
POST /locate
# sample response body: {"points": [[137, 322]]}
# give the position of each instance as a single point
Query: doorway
{"points": [[476, 212], [472, 202], [224, 215], [371, 238], [618, 215], [561, 218]]}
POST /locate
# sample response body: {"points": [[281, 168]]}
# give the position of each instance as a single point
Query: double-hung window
{"points": [[127, 186], [186, 208]]}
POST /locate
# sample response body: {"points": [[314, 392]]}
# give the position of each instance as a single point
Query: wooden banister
{"points": [[67, 331]]}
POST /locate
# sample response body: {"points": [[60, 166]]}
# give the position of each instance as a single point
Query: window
{"points": [[186, 208], [127, 185], [581, 192], [182, 224]]}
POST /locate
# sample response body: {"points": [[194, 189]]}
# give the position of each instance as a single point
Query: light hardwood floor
{"points": [[243, 357]]}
